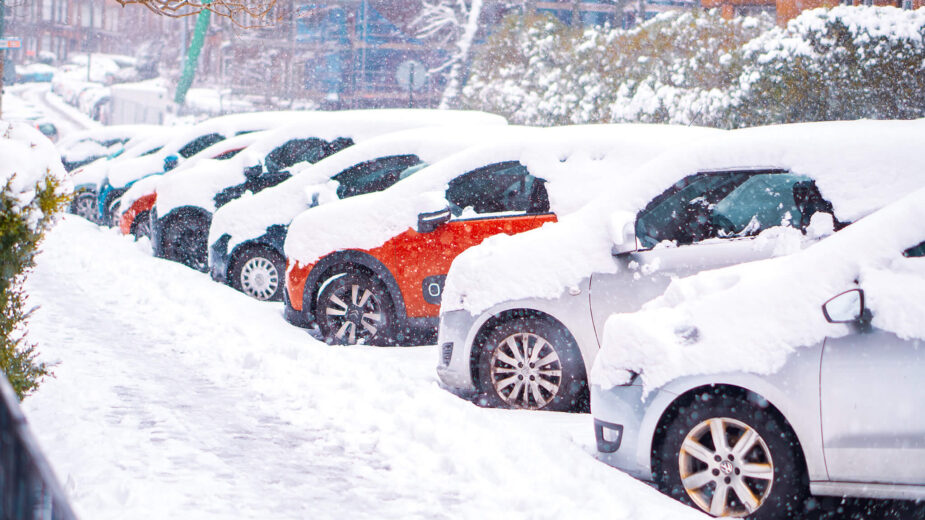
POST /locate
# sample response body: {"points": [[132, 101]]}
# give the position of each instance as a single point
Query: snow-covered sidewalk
{"points": [[176, 397]]}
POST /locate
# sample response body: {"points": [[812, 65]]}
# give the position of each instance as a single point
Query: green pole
{"points": [[192, 56]]}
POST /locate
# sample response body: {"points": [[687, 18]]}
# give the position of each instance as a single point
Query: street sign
{"points": [[10, 43], [411, 75]]}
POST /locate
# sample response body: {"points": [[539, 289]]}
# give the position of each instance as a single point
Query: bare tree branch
{"points": [[239, 11]]}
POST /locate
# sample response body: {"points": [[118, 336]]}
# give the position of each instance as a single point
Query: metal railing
{"points": [[28, 488]]}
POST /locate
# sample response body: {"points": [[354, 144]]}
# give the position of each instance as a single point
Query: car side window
{"points": [[729, 204], [199, 144], [375, 175], [915, 251], [294, 151], [498, 188]]}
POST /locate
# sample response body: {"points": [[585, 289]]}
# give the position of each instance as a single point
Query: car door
{"points": [[705, 221], [498, 198], [873, 396]]}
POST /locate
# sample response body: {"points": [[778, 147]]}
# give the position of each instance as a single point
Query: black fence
{"points": [[28, 488]]}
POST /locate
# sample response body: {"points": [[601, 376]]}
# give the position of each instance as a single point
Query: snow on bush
{"points": [[750, 317], [843, 63], [674, 68], [33, 188], [683, 66], [859, 166]]}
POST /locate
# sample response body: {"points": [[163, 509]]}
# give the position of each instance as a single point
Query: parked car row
{"points": [[725, 291]]}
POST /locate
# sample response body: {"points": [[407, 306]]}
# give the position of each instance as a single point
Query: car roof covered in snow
{"points": [[751, 317], [575, 162], [249, 216], [859, 166], [178, 189]]}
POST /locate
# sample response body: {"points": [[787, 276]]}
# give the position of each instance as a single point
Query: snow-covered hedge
{"points": [[33, 189], [683, 66]]}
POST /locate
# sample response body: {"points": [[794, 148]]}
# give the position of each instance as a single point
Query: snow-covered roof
{"points": [[775, 304], [28, 158], [575, 162], [105, 133], [94, 173], [859, 166], [249, 216], [198, 188]]}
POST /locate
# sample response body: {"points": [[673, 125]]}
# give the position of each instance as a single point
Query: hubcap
{"points": [[259, 278], [354, 313], [726, 467], [143, 227], [526, 371]]}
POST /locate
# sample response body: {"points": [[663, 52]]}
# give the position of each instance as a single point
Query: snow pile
{"points": [[249, 216], [176, 397], [750, 317], [859, 166], [574, 161], [96, 142], [199, 189], [28, 159]]}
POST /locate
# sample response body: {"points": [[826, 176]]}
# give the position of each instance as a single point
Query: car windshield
{"points": [[728, 204], [375, 175]]}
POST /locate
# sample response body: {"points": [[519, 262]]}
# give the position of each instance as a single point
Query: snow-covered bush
{"points": [[675, 68], [33, 190], [843, 63]]}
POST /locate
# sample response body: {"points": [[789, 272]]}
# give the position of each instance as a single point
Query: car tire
{"points": [[532, 362], [354, 307], [141, 226], [259, 273], [85, 205], [185, 241], [761, 476]]}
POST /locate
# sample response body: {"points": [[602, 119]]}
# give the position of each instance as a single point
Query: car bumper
{"points": [[454, 351], [294, 316], [219, 259], [618, 417]]}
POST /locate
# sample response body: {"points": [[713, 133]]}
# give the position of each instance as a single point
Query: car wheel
{"points": [[354, 307], [258, 273], [732, 457], [84, 205], [532, 363], [185, 241], [141, 226]]}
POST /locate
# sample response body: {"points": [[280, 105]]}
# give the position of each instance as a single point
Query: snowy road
{"points": [[178, 397]]}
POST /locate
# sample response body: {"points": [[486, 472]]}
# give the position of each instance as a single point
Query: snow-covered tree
{"points": [[453, 24]]}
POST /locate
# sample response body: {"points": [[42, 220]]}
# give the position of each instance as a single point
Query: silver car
{"points": [[536, 352], [841, 417]]}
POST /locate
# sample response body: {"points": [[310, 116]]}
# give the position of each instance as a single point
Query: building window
{"points": [[907, 4], [868, 2]]}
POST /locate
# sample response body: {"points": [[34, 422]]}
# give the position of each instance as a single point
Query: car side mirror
{"points": [[252, 172], [623, 233], [847, 307], [430, 221]]}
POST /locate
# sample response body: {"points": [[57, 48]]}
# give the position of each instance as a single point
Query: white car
{"points": [[749, 194], [742, 390]]}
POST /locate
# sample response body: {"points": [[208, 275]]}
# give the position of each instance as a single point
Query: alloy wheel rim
{"points": [[190, 248], [354, 314], [526, 371], [726, 467], [143, 228], [84, 207], [259, 278]]}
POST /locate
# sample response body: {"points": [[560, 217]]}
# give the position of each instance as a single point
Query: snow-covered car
{"points": [[183, 145], [371, 269], [541, 299], [81, 148], [247, 235], [87, 179], [186, 200], [133, 209], [744, 389]]}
